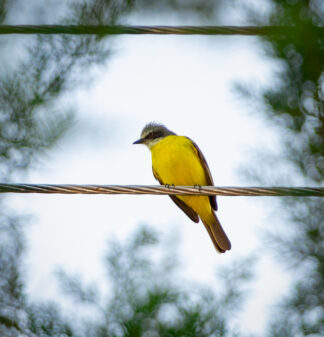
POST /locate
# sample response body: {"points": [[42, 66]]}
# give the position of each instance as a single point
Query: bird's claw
{"points": [[198, 186]]}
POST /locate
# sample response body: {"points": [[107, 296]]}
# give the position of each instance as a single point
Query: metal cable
{"points": [[179, 30], [169, 190]]}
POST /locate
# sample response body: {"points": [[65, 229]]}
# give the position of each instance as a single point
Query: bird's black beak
{"points": [[139, 141]]}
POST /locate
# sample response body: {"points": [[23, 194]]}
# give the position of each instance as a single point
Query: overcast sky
{"points": [[187, 84]]}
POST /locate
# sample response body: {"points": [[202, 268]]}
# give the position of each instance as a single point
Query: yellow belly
{"points": [[175, 161]]}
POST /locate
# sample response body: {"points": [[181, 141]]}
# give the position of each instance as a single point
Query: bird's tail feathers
{"points": [[217, 234]]}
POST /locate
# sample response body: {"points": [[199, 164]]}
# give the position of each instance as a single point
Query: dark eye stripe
{"points": [[154, 135]]}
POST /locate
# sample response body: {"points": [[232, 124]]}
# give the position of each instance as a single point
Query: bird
{"points": [[178, 161]]}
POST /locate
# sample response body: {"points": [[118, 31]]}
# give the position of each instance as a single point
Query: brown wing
{"points": [[188, 210], [209, 178]]}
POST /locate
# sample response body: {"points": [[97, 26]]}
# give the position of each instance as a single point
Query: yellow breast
{"points": [[175, 161]]}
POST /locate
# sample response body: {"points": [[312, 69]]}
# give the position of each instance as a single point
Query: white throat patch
{"points": [[153, 142]]}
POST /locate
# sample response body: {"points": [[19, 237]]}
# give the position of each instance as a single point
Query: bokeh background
{"points": [[70, 108]]}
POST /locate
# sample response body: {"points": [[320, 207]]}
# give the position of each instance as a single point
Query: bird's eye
{"points": [[153, 135], [156, 134]]}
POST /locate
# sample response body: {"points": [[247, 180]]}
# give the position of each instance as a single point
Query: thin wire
{"points": [[179, 30], [169, 190]]}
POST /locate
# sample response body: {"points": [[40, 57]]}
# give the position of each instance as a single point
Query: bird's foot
{"points": [[198, 186]]}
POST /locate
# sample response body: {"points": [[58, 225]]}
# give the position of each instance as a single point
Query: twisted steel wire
{"points": [[165, 30], [163, 189]]}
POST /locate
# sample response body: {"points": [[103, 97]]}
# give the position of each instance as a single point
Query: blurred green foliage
{"points": [[31, 122], [294, 101], [148, 298], [294, 105]]}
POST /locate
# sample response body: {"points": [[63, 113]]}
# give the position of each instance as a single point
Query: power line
{"points": [[164, 30], [168, 190]]}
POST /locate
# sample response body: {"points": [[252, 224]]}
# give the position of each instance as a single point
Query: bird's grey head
{"points": [[153, 133]]}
